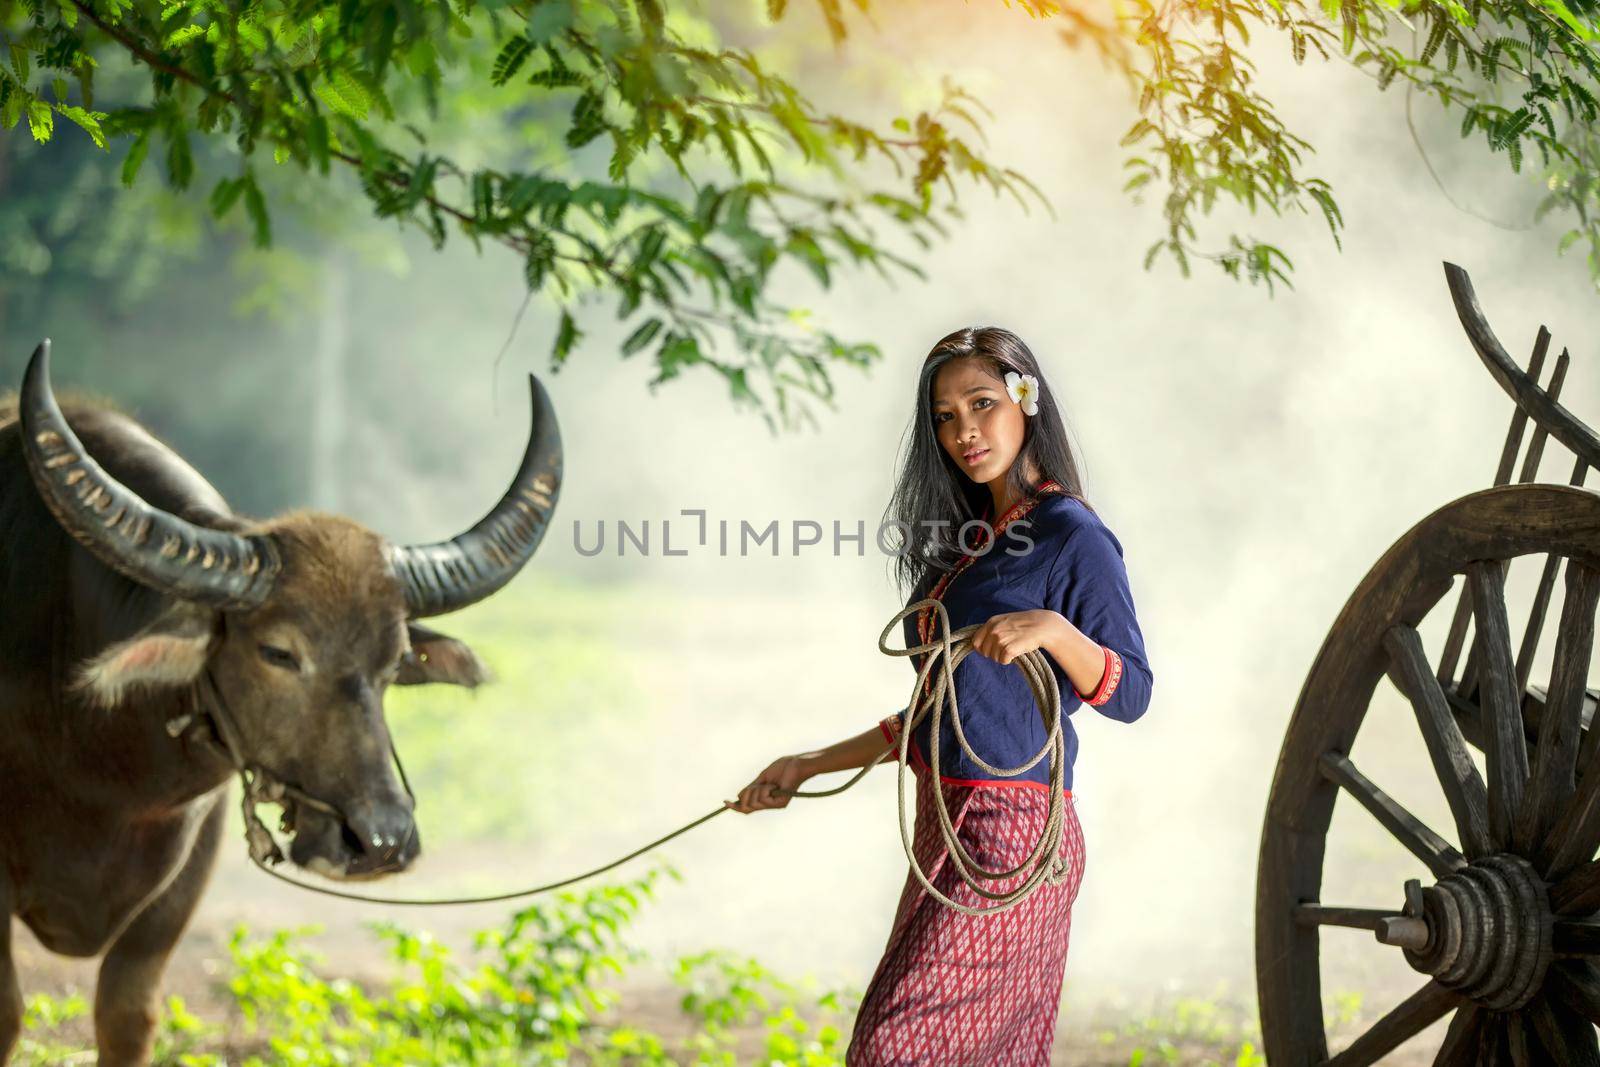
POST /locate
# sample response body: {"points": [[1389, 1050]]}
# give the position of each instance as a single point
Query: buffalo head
{"points": [[299, 623]]}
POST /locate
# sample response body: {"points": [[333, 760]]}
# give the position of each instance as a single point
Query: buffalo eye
{"points": [[280, 657]]}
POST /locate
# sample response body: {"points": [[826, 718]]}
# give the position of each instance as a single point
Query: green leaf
{"points": [[641, 337], [676, 352], [1562, 12], [342, 92], [1330, 212], [510, 60], [548, 19], [135, 157], [1435, 39], [41, 120], [88, 121], [588, 120], [541, 257], [225, 194], [567, 336], [255, 205], [182, 36]]}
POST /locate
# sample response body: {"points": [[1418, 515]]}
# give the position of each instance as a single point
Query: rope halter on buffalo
{"points": [[1044, 864]]}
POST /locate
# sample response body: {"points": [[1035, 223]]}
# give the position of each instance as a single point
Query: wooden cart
{"points": [[1505, 933]]}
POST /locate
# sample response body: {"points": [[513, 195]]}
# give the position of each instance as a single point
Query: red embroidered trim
{"points": [[998, 783], [1109, 677]]}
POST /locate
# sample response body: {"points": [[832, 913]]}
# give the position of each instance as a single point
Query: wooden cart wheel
{"points": [[1504, 931]]}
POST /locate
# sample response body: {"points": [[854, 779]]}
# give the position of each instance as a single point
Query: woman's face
{"points": [[978, 424]]}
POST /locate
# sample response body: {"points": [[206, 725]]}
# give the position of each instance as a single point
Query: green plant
{"points": [[532, 992], [723, 990]]}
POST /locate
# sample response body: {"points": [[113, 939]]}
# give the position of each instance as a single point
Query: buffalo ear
{"points": [[437, 658], [170, 653]]}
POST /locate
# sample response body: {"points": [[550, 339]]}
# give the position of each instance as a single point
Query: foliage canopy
{"points": [[718, 170]]}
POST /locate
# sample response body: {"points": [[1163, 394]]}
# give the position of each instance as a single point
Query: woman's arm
{"points": [[790, 772], [1110, 670], [1005, 637]]}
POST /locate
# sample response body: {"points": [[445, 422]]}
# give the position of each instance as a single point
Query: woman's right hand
{"points": [[784, 773]]}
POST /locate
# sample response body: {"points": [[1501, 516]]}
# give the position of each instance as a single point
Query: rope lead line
{"points": [[1044, 864]]}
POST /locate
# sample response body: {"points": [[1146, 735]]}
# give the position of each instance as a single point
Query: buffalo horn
{"points": [[151, 546], [449, 575]]}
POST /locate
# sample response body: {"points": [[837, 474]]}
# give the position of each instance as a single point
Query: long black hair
{"points": [[932, 497]]}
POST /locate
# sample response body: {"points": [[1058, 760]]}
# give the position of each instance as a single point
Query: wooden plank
{"points": [[1447, 747], [1562, 424], [1530, 462], [1413, 1015], [1572, 841], [1502, 474], [1553, 778], [1507, 752], [1520, 1043], [1440, 856], [1578, 892], [1335, 915], [1541, 599], [1575, 937], [1460, 1048], [1567, 1037], [1576, 983], [1492, 1041]]}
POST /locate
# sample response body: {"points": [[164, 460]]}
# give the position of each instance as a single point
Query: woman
{"points": [[988, 440]]}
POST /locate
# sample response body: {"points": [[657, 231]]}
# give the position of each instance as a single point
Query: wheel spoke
{"points": [[1413, 1015], [1555, 759], [1518, 1040], [1453, 641], [1576, 937], [1460, 1048], [1452, 762], [1507, 750], [1491, 1041], [1566, 1036], [1578, 893], [1433, 850], [1576, 983], [1335, 915], [1572, 841]]}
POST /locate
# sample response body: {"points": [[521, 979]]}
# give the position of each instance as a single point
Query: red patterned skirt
{"points": [[966, 990]]}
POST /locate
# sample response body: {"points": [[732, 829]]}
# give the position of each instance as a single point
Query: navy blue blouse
{"points": [[1059, 556]]}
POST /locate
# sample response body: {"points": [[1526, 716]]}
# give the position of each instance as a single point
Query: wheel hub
{"points": [[1484, 931]]}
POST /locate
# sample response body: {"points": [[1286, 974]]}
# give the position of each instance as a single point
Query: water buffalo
{"points": [[135, 608]]}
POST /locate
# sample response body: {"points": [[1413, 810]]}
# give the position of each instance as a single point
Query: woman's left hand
{"points": [[1005, 637]]}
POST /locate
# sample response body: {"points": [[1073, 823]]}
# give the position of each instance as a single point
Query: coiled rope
{"points": [[1044, 864]]}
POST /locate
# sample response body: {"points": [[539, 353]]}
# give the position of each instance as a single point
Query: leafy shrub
{"points": [[530, 993]]}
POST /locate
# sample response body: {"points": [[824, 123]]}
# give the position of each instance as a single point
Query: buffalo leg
{"points": [[127, 995], [10, 994]]}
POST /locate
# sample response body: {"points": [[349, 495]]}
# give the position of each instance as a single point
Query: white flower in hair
{"points": [[1024, 389]]}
